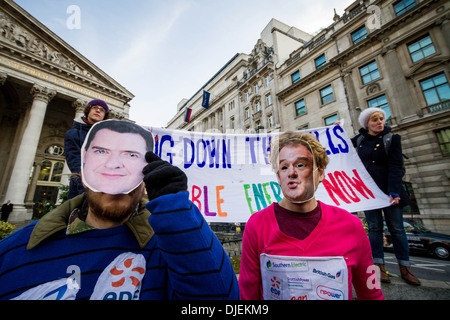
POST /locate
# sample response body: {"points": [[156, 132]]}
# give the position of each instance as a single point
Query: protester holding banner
{"points": [[381, 153], [115, 242], [301, 248]]}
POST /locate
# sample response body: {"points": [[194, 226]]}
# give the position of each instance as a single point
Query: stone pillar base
{"points": [[20, 214]]}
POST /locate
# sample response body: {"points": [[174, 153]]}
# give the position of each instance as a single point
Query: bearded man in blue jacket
{"points": [[124, 246]]}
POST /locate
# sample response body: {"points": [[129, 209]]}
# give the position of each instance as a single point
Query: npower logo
{"points": [[328, 293]]}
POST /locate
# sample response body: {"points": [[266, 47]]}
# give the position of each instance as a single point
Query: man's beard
{"points": [[115, 208]]}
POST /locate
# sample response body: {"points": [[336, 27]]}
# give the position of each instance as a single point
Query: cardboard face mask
{"points": [[297, 173], [113, 156]]}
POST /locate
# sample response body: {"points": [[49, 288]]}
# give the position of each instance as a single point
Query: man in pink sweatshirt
{"points": [[301, 248]]}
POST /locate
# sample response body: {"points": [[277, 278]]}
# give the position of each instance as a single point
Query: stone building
{"points": [[44, 85], [243, 92], [392, 54]]}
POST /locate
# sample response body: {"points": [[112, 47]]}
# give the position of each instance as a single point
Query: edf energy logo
{"points": [[122, 279], [275, 288]]}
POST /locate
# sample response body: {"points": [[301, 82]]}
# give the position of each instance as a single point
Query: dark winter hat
{"points": [[98, 102]]}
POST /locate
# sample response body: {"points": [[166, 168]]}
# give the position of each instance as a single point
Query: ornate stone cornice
{"points": [[12, 33]]}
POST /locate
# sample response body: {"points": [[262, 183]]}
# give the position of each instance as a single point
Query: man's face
{"points": [[96, 114], [114, 161], [296, 174]]}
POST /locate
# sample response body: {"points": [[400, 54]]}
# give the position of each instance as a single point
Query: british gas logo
{"points": [[337, 276]]}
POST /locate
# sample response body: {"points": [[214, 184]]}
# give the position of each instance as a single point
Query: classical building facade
{"points": [[392, 54], [44, 85]]}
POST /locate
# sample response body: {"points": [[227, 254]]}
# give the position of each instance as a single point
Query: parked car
{"points": [[422, 240]]}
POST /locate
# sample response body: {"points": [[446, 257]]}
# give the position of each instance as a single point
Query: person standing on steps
{"points": [[95, 111]]}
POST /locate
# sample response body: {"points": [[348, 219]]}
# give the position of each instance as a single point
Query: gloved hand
{"points": [[161, 177]]}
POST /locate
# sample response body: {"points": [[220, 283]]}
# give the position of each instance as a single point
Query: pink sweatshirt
{"points": [[338, 233]]}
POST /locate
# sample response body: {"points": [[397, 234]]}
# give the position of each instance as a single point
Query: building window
{"points": [[295, 77], [267, 81], [320, 61], [258, 106], [269, 99], [232, 123], [256, 89], [421, 48], [443, 137], [402, 6], [55, 150], [270, 121], [435, 89], [326, 94], [51, 171], [382, 103], [369, 72], [247, 97], [412, 208], [300, 107], [359, 35], [304, 127], [247, 113], [331, 119]]}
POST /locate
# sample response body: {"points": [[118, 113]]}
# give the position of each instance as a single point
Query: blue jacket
{"points": [[170, 254]]}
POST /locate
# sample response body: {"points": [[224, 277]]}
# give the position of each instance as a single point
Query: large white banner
{"points": [[230, 177]]}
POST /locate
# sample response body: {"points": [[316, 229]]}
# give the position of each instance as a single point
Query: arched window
{"points": [[51, 171]]}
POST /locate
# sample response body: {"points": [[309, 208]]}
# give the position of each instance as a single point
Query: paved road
{"points": [[424, 267]]}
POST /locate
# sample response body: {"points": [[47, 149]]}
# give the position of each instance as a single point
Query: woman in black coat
{"points": [[381, 153]]}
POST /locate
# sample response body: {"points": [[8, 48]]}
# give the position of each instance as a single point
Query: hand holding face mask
{"points": [[162, 178]]}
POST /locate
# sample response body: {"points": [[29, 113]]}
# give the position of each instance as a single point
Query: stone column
{"points": [[3, 77], [18, 183], [445, 26], [79, 106], [33, 183], [352, 99], [401, 103]]}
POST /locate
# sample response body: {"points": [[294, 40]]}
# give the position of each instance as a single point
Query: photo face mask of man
{"points": [[297, 173], [113, 156]]}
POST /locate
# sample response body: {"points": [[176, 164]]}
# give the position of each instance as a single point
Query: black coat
{"points": [[386, 170], [7, 208], [73, 141]]}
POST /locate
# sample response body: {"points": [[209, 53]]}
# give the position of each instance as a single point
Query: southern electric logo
{"points": [[292, 265]]}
